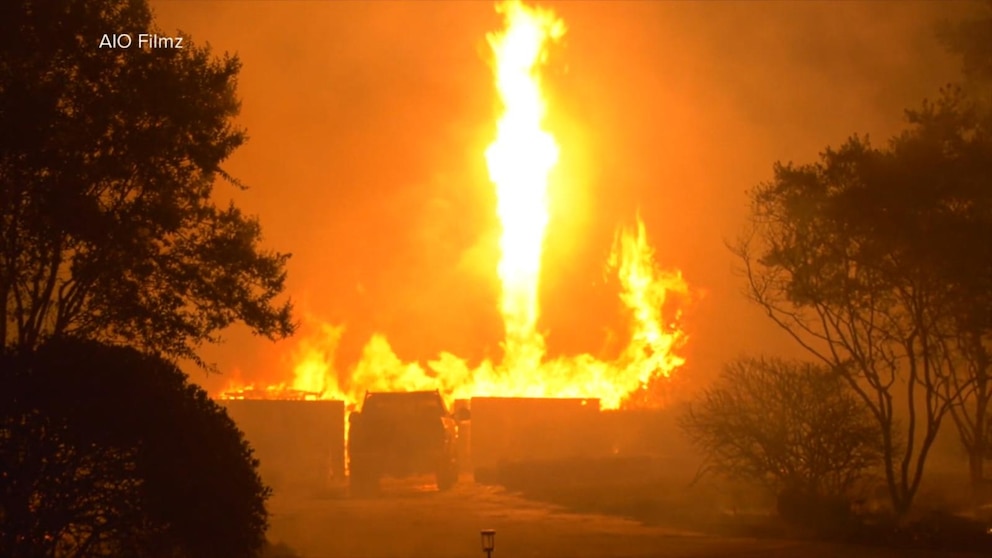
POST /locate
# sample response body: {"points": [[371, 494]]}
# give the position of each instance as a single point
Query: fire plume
{"points": [[520, 161]]}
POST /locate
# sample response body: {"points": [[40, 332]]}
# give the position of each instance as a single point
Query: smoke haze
{"points": [[368, 123]]}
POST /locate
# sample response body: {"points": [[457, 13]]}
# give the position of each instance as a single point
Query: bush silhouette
{"points": [[108, 451]]}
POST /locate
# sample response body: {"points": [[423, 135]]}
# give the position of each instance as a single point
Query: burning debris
{"points": [[270, 392], [520, 161]]}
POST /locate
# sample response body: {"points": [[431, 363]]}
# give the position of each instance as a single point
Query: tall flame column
{"points": [[520, 161]]}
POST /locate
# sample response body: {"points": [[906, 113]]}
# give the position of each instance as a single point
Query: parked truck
{"points": [[402, 434]]}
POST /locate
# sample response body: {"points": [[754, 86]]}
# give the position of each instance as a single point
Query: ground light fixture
{"points": [[488, 542]]}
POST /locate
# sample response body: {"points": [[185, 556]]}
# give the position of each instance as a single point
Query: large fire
{"points": [[520, 162]]}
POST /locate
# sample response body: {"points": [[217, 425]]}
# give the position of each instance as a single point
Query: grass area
{"points": [[644, 489], [639, 488]]}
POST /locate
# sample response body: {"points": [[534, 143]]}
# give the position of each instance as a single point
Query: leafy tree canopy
{"points": [[971, 39], [106, 451], [786, 425], [877, 261], [107, 165]]}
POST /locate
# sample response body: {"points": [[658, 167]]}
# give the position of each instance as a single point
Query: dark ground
{"points": [[410, 519]]}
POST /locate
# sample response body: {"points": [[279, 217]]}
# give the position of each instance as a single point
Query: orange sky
{"points": [[368, 122]]}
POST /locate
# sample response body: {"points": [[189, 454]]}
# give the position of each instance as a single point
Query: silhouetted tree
{"points": [[967, 258], [105, 451], [971, 39], [947, 228], [791, 426], [108, 159], [877, 262]]}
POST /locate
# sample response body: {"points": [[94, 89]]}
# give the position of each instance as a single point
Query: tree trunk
{"points": [[976, 468], [980, 443]]}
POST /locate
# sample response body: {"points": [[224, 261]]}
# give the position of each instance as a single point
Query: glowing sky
{"points": [[368, 123]]}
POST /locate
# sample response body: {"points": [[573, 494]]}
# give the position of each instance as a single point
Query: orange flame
{"points": [[650, 355], [520, 162]]}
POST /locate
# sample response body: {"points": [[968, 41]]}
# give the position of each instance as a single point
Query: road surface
{"points": [[410, 519]]}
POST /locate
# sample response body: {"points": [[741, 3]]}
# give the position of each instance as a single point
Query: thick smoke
{"points": [[368, 123]]}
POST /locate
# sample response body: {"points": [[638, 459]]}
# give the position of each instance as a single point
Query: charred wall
{"points": [[299, 444], [514, 433], [512, 429]]}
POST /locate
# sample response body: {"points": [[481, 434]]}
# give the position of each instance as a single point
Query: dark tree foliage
{"points": [[105, 451], [971, 274], [947, 228], [108, 159], [787, 425], [877, 261], [971, 39]]}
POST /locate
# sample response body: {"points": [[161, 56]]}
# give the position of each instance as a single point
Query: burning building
{"points": [[556, 395]]}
